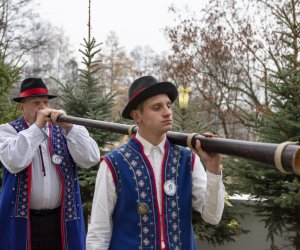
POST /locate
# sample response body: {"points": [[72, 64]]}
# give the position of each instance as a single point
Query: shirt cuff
{"points": [[72, 134]]}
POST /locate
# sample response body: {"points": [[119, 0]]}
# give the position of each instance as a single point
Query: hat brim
{"points": [[19, 99], [160, 88]]}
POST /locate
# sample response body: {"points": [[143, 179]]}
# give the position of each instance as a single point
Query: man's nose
{"points": [[167, 111], [43, 106]]}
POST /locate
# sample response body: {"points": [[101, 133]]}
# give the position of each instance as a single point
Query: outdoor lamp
{"points": [[184, 94]]}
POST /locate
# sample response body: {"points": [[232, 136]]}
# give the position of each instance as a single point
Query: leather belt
{"points": [[42, 212]]}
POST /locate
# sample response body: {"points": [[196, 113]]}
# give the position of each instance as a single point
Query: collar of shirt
{"points": [[148, 147]]}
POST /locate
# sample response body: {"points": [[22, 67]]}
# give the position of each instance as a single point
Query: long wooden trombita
{"points": [[285, 156]]}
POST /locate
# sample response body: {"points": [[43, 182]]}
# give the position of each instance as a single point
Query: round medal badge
{"points": [[56, 159], [170, 187]]}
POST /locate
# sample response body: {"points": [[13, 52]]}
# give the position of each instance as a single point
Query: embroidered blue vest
{"points": [[15, 199], [136, 223]]}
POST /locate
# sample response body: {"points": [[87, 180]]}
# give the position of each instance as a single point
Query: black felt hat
{"points": [[144, 88], [33, 87]]}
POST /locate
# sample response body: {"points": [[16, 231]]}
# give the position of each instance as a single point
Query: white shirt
{"points": [[18, 150], [207, 196]]}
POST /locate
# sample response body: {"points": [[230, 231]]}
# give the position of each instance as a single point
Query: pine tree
{"points": [[87, 99], [278, 195], [188, 119], [9, 74]]}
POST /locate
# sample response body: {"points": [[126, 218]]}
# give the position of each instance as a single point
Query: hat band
{"points": [[34, 91], [137, 93]]}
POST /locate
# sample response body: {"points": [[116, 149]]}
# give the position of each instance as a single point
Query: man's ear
{"points": [[20, 107], [135, 115]]}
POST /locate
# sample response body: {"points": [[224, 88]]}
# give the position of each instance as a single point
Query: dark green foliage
{"points": [[281, 122], [9, 74], [278, 194], [87, 99], [189, 120]]}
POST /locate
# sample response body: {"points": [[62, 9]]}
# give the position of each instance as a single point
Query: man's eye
{"points": [[170, 106]]}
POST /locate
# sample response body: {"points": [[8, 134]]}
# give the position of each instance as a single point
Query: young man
{"points": [[146, 189], [40, 205]]}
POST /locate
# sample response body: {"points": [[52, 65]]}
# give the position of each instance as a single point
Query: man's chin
{"points": [[167, 128]]}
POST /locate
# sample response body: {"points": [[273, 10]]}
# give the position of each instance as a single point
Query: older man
{"points": [[40, 205]]}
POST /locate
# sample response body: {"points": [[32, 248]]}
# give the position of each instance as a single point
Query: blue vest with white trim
{"points": [[15, 199], [138, 228]]}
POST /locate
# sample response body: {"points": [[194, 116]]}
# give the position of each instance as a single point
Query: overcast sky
{"points": [[136, 22]]}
